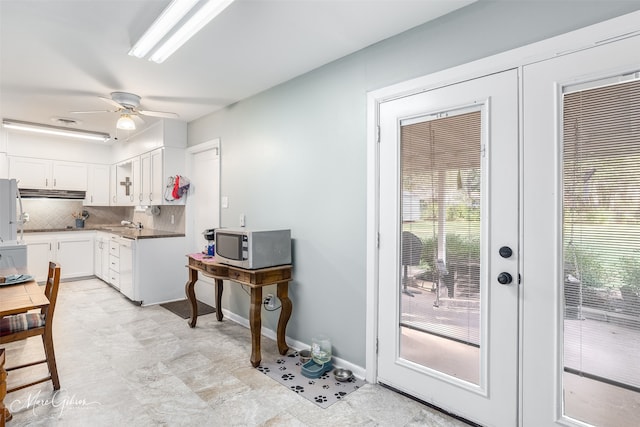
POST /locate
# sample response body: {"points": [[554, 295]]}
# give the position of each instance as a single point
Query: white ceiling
{"points": [[58, 56]]}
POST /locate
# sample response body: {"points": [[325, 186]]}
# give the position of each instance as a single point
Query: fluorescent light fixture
{"points": [[55, 130], [168, 19], [125, 122], [206, 13]]}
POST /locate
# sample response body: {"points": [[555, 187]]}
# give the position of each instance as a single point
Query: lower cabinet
{"points": [[101, 256], [147, 271], [73, 250]]}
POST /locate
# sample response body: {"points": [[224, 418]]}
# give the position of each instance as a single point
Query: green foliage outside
{"points": [[460, 249], [585, 265], [630, 270]]}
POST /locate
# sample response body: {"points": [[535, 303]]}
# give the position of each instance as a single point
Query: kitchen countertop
{"points": [[122, 231]]}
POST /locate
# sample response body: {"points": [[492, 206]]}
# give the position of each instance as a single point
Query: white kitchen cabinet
{"points": [[98, 185], [128, 185], [69, 175], [38, 256], [146, 177], [73, 250], [48, 174], [101, 256], [113, 185], [151, 168], [125, 268], [30, 173]]}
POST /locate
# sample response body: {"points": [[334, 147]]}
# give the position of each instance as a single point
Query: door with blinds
{"points": [[581, 238], [448, 269]]}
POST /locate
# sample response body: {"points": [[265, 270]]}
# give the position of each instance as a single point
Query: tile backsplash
{"points": [[56, 214]]}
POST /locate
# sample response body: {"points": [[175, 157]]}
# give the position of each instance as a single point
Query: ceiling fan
{"points": [[126, 104]]}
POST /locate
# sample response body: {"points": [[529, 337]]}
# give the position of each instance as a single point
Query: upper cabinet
{"points": [[48, 174], [144, 180], [98, 185], [151, 174]]}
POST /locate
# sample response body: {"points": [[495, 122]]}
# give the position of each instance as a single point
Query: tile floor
{"points": [[120, 364]]}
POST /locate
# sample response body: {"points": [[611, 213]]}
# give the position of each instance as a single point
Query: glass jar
{"points": [[321, 349]]}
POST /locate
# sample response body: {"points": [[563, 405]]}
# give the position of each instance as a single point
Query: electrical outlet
{"points": [[173, 219], [270, 302]]}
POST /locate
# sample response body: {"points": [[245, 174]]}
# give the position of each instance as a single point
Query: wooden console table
{"points": [[254, 279]]}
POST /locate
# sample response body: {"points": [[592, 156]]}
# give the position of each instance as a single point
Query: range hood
{"points": [[35, 193]]}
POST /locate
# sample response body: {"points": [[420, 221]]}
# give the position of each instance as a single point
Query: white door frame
{"points": [[584, 38]]}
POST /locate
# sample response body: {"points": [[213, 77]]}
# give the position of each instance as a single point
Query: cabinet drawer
{"points": [[114, 248], [114, 263], [114, 278]]}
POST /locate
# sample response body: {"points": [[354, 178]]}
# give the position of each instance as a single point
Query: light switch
{"points": [[242, 220], [225, 202]]}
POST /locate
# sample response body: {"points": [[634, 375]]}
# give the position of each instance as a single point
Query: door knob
{"points": [[504, 278], [505, 252]]}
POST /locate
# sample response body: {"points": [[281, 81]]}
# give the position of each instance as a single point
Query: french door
{"points": [[448, 253], [581, 238]]}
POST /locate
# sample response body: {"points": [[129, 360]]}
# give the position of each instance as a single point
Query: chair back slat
{"points": [[51, 289]]}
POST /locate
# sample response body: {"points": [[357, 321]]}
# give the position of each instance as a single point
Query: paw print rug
{"points": [[323, 391]]}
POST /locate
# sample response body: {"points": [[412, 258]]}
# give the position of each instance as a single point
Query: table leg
{"points": [[191, 295], [219, 287], [255, 323], [5, 415], [285, 314]]}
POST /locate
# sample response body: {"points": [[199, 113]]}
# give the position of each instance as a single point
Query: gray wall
{"points": [[295, 156]]}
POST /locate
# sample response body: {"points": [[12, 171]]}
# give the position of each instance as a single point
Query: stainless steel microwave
{"points": [[252, 249]]}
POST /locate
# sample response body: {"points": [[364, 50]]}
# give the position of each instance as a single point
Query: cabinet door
{"points": [[69, 176], [136, 198], [98, 185], [113, 185], [30, 173], [145, 177], [97, 258], [105, 258], [156, 178], [39, 253], [127, 185], [75, 255]]}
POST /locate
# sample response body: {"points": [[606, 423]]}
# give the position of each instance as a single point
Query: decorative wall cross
{"points": [[127, 185]]}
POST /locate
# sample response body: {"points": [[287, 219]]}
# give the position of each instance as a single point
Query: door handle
{"points": [[505, 278]]}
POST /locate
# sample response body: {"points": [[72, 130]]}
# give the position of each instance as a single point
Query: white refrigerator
{"points": [[13, 251]]}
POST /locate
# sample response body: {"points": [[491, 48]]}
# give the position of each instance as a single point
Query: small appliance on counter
{"points": [[13, 252]]}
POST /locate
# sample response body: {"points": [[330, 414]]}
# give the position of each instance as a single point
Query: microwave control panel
{"points": [[245, 248]]}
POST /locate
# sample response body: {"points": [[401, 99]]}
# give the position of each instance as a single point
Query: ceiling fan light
{"points": [[168, 19], [125, 122]]}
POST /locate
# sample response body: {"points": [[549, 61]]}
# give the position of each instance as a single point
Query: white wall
{"points": [[295, 156]]}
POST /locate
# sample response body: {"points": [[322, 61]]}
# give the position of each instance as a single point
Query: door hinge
{"points": [[519, 279], [378, 240], [378, 134], [377, 345]]}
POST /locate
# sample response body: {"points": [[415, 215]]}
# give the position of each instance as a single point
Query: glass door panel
{"points": [[601, 243], [440, 246]]}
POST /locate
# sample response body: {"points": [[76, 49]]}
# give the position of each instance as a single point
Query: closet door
{"points": [[581, 238]]}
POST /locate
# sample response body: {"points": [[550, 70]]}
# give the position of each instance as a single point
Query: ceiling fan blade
{"points": [[91, 112], [159, 114], [112, 102]]}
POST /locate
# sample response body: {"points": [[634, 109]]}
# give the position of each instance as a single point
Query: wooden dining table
{"points": [[15, 299]]}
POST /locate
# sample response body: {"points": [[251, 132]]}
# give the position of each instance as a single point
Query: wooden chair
{"points": [[26, 325]]}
